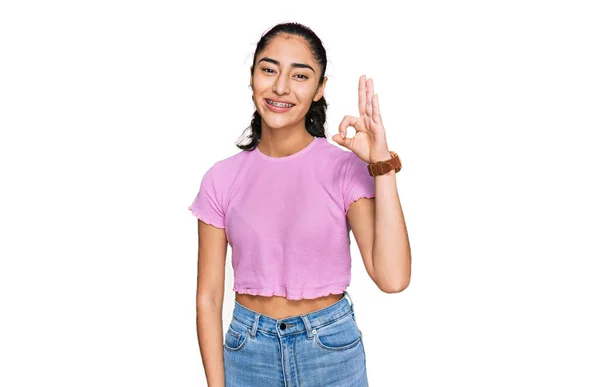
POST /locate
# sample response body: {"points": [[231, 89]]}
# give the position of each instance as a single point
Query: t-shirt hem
{"points": [[205, 218], [368, 196], [293, 294]]}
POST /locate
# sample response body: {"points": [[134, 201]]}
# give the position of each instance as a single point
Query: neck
{"points": [[283, 142]]}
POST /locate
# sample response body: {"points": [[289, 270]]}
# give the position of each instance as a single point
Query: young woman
{"points": [[285, 204]]}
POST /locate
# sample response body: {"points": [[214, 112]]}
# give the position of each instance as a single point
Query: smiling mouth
{"points": [[279, 104]]}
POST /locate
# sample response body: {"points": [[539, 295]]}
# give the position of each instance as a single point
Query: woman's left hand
{"points": [[369, 142]]}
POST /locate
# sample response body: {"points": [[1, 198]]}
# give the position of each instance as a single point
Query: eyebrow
{"points": [[299, 65]]}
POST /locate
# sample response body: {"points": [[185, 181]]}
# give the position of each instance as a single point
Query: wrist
{"points": [[384, 163], [389, 173], [381, 156]]}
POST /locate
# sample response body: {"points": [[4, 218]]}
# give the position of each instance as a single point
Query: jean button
{"points": [[282, 326]]}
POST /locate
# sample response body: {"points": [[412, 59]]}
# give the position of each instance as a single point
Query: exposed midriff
{"points": [[278, 307]]}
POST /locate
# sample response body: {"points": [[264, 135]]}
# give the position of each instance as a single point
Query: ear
{"points": [[320, 90], [251, 71]]}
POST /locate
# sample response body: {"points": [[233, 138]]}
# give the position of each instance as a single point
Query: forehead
{"points": [[287, 49]]}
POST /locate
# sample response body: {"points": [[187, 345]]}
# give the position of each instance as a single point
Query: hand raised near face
{"points": [[369, 142]]}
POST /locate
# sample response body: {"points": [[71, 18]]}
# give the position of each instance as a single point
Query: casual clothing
{"points": [[321, 348], [285, 217]]}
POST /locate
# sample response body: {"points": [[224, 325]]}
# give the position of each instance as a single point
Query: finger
{"points": [[369, 97], [342, 137], [347, 121], [376, 112], [362, 95]]}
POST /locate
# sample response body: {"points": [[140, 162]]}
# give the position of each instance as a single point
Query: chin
{"points": [[278, 124]]}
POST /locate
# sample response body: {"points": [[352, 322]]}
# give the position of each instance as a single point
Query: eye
{"points": [[302, 75], [267, 70]]}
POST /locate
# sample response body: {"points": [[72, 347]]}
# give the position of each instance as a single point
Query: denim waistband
{"points": [[296, 324]]}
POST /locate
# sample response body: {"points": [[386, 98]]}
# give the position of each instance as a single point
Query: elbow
{"points": [[209, 299], [397, 279], [397, 287]]}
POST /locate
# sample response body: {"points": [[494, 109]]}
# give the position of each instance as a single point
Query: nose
{"points": [[281, 85]]}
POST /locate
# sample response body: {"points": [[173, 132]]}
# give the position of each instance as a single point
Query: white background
{"points": [[111, 112]]}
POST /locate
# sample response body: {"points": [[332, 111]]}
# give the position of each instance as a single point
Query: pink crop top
{"points": [[285, 217]]}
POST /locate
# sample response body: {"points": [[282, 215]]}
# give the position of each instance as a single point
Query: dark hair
{"points": [[316, 115]]}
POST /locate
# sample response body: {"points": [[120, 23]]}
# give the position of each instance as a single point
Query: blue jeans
{"points": [[317, 349]]}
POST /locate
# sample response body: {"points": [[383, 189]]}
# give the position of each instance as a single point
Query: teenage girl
{"points": [[286, 204]]}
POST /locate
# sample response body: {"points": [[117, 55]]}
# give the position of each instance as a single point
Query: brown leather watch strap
{"points": [[383, 167]]}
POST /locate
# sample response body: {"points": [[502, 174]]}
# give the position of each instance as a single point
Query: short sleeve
{"points": [[356, 181], [207, 205]]}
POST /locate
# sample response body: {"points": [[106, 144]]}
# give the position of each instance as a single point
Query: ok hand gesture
{"points": [[369, 142]]}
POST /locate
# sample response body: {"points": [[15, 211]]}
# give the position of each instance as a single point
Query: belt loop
{"points": [[255, 325], [309, 333], [347, 295]]}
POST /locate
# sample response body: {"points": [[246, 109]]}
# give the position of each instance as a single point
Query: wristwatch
{"points": [[383, 167]]}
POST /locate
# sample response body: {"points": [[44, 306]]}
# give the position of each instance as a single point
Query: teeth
{"points": [[279, 104]]}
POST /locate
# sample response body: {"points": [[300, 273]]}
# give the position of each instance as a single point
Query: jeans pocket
{"points": [[340, 335], [236, 336]]}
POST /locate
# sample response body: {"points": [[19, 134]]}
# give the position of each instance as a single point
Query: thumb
{"points": [[341, 137], [343, 141]]}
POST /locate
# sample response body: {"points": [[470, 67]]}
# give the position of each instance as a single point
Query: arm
{"points": [[391, 247], [380, 231], [212, 251], [378, 224]]}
